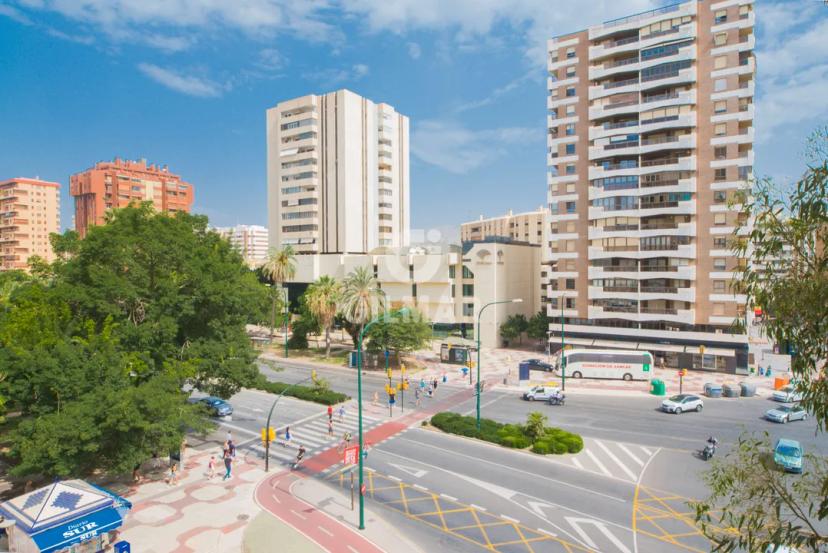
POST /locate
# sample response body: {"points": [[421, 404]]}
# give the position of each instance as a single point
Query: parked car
{"points": [[538, 365], [682, 402], [217, 406], [780, 549], [787, 395], [540, 393], [784, 414], [788, 455]]}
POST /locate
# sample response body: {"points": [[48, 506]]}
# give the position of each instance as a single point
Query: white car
{"points": [[780, 549], [788, 394], [682, 402], [540, 393]]}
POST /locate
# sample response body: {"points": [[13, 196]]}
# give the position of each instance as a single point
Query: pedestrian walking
{"points": [[287, 436], [341, 413], [430, 391], [172, 478], [422, 384], [330, 428], [211, 467], [435, 384], [330, 413], [417, 397], [228, 466], [228, 437], [231, 448], [375, 400], [445, 377], [136, 473]]}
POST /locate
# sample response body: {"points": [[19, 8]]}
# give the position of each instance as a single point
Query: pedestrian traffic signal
{"points": [[268, 434], [388, 373], [402, 368], [683, 372]]}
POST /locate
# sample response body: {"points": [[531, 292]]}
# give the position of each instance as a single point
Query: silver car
{"points": [[682, 402], [784, 414], [788, 394]]}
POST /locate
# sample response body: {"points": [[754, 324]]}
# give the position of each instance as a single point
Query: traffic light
{"points": [[268, 434], [402, 368], [388, 373], [264, 434], [683, 372]]}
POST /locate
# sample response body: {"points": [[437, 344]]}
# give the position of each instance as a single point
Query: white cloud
{"points": [[15, 14], [186, 84], [271, 59], [414, 50], [167, 43], [531, 75], [80, 39], [792, 67], [457, 149], [360, 70]]}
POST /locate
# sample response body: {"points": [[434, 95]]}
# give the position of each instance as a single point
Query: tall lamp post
{"points": [[402, 312], [479, 313], [563, 357], [287, 312], [267, 426]]}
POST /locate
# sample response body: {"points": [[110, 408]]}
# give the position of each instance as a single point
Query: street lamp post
{"points": [[267, 426], [402, 312], [287, 312], [563, 357], [479, 313]]}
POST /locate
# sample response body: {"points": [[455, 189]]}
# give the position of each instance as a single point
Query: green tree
{"points": [[535, 424], [763, 506], [509, 329], [279, 268], [323, 301], [400, 333], [304, 323], [521, 325], [98, 349], [538, 326], [361, 299]]}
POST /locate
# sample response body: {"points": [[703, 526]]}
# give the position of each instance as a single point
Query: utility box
{"points": [[657, 387], [523, 371]]}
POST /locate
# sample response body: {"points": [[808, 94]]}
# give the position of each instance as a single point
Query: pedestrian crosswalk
{"points": [[313, 435], [610, 458]]}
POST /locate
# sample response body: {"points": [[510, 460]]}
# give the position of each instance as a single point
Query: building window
{"points": [[468, 290], [570, 149], [570, 109], [570, 71], [720, 129], [719, 242], [452, 272], [745, 171], [720, 219], [414, 290], [720, 174], [453, 290], [570, 207], [570, 129], [570, 284], [720, 107], [720, 152], [570, 91], [411, 272], [467, 272], [570, 169], [720, 264], [570, 303], [719, 286], [719, 196], [570, 53], [720, 62], [720, 39], [719, 85], [721, 16], [468, 310], [718, 309]]}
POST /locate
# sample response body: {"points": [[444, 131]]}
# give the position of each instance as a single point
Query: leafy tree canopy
{"points": [[399, 332], [99, 344]]}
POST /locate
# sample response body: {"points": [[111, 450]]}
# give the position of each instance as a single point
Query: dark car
{"points": [[217, 406], [538, 365]]}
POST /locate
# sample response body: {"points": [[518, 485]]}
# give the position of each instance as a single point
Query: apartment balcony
{"points": [[627, 148], [740, 23], [683, 76], [565, 62], [667, 163], [610, 68], [617, 109], [561, 179], [611, 88], [678, 251], [668, 122], [745, 137], [686, 316], [683, 142], [612, 129], [552, 121], [650, 293], [613, 231], [668, 99], [314, 128], [622, 46], [610, 292], [666, 229], [641, 19]]}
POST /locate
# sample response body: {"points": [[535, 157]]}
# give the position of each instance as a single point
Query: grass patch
{"points": [[542, 439], [316, 394]]}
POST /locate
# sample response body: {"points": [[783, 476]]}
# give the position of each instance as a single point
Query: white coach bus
{"points": [[616, 364]]}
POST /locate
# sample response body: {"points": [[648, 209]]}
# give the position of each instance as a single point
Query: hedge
{"points": [[553, 440], [317, 395]]}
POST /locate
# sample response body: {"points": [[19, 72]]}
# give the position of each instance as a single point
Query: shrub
{"points": [[574, 443], [559, 448], [541, 447], [315, 394]]}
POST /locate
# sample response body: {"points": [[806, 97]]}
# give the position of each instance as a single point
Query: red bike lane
{"points": [[274, 495]]}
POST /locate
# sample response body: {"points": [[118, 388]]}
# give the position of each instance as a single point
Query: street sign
{"points": [[362, 490], [351, 455], [122, 547]]}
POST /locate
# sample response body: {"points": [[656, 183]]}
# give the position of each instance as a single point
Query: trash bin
{"points": [[748, 389], [523, 371], [712, 390], [731, 390], [657, 387]]}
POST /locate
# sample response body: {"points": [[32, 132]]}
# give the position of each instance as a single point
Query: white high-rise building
{"points": [[250, 240], [337, 174], [650, 134]]}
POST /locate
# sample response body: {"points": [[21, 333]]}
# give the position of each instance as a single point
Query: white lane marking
{"points": [[512, 469], [630, 453], [577, 522], [303, 517], [478, 507], [485, 404], [352, 549], [413, 471], [645, 450], [537, 507], [325, 530], [547, 532], [577, 463], [510, 519], [598, 463], [392, 477], [618, 462], [450, 498]]}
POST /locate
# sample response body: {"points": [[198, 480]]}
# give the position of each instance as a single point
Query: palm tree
{"points": [[322, 299], [361, 298], [278, 269]]}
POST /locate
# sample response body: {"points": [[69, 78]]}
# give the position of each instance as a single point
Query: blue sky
{"points": [[187, 82]]}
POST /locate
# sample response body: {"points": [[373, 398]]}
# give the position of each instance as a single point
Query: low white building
{"points": [[251, 241], [448, 284]]}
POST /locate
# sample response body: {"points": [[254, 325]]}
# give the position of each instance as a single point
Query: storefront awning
{"points": [[78, 530], [661, 347]]}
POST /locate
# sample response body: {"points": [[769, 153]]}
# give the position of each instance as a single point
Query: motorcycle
{"points": [[709, 449], [554, 400]]}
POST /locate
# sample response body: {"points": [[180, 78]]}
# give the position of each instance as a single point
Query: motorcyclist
{"points": [[710, 449], [300, 454]]}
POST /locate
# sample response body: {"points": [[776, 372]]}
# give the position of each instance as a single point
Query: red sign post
{"points": [[351, 455]]}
